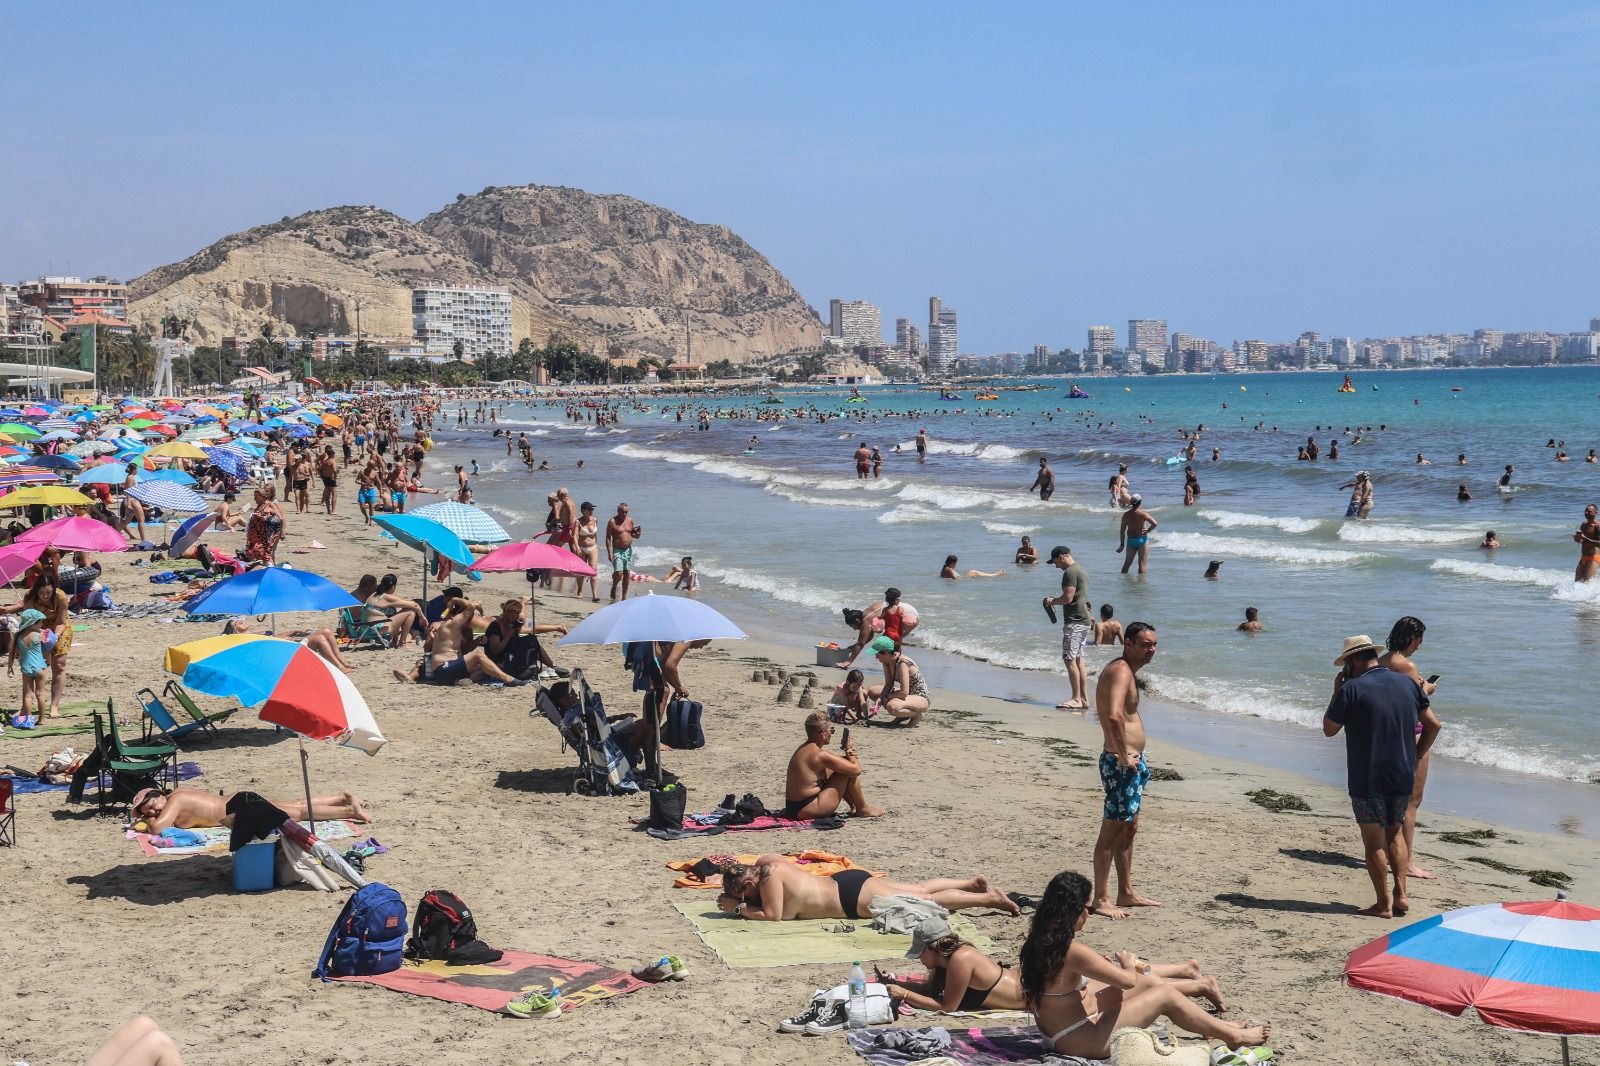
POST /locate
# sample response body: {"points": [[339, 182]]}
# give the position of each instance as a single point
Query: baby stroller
{"points": [[606, 761]]}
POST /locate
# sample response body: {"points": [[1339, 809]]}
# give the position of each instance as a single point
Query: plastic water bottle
{"points": [[855, 1007], [555, 994]]}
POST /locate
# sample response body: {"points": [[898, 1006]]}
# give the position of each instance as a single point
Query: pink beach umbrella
{"points": [[533, 555], [16, 558], [77, 534]]}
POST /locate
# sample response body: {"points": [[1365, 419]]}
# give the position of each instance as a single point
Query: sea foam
{"points": [[1245, 520], [1290, 554]]}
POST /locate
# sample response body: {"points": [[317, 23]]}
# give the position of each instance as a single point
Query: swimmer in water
{"points": [[1505, 479], [1587, 538], [950, 573], [1490, 541], [1252, 621], [1214, 571], [1462, 495], [1422, 461]]}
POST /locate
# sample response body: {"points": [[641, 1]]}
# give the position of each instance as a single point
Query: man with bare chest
{"points": [[620, 535], [1123, 771]]}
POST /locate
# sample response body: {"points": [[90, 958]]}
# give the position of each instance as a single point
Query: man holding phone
{"points": [[1075, 598], [1379, 712], [819, 780]]}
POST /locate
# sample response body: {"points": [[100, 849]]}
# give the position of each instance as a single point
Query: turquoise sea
{"points": [[785, 536]]}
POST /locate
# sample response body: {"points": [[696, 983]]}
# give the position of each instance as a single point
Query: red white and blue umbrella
{"points": [[1534, 967]]}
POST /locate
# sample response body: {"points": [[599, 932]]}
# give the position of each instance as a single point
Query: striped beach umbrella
{"points": [[168, 496], [465, 521], [1533, 967], [27, 475]]}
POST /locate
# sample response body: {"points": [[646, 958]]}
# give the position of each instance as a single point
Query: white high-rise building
{"points": [[1147, 334], [943, 339], [857, 323], [480, 318], [1102, 342]]}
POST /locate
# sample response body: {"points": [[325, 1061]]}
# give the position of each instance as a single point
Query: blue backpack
{"points": [[683, 725], [368, 936]]}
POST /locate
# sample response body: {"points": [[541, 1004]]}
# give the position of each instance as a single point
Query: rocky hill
{"points": [[601, 269]]}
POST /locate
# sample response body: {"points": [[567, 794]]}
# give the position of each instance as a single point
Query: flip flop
{"points": [[1022, 901], [1224, 1056]]}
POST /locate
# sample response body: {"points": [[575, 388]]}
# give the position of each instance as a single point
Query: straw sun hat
{"points": [[1353, 645]]}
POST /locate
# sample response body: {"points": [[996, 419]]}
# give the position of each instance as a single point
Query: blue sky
{"points": [[1243, 170]]}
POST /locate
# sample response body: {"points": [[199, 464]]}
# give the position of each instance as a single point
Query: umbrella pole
{"points": [[1566, 1055], [424, 575], [305, 779]]}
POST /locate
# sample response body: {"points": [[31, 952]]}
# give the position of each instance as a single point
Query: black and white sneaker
{"points": [[831, 1020], [798, 1023]]}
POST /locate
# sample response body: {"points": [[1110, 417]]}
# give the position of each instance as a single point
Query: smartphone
{"points": [[1434, 680], [844, 741]]}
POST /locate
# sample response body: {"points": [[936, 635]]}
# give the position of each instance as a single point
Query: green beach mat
{"points": [[75, 718], [741, 943]]}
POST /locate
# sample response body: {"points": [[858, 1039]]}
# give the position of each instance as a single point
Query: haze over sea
{"points": [[786, 536]]}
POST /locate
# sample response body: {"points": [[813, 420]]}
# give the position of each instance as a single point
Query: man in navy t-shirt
{"points": [[1387, 725]]}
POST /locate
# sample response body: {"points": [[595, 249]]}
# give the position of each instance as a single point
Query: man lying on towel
{"points": [[819, 780], [776, 890], [192, 808]]}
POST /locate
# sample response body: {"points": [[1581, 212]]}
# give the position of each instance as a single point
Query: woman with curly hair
{"points": [[1078, 998], [1404, 640]]}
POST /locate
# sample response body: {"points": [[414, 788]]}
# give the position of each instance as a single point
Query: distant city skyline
{"points": [[1359, 170]]}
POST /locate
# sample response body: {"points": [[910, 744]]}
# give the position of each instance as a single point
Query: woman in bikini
{"points": [[950, 573], [960, 977], [587, 547], [904, 693], [1078, 998], [396, 614]]}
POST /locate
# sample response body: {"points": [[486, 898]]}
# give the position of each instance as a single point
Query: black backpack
{"points": [[442, 928]]}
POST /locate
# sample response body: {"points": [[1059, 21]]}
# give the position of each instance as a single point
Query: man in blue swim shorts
{"points": [[1123, 771], [1133, 536]]}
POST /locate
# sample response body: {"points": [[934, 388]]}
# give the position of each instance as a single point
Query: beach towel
{"points": [[75, 718], [820, 863], [967, 1047], [23, 786], [691, 828], [216, 838], [490, 986], [741, 943]]}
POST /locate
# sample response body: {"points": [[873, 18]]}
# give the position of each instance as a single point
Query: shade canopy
{"points": [[533, 555], [425, 534], [46, 496], [75, 534], [465, 521], [168, 496]]}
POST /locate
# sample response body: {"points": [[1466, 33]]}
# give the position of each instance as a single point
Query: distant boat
{"points": [[1076, 393], [987, 396], [943, 395], [1347, 386], [1455, 388]]}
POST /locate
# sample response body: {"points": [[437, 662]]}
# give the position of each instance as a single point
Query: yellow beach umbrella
{"points": [[6, 438], [45, 496], [179, 656], [177, 449]]}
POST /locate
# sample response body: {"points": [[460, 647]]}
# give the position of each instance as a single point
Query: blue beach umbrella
{"points": [[53, 462], [106, 474], [229, 462], [177, 477], [271, 590], [426, 535], [469, 523]]}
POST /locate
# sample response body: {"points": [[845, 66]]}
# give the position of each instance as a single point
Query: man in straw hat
{"points": [[1387, 726]]}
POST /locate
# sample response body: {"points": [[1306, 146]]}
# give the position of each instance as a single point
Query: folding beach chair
{"points": [[164, 753], [159, 721], [181, 697], [116, 779], [362, 634], [8, 813]]}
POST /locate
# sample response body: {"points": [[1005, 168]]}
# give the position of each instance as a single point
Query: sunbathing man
{"points": [[193, 808], [776, 890], [819, 780]]}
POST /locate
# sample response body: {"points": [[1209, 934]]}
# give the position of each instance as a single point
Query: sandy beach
{"points": [[472, 795]]}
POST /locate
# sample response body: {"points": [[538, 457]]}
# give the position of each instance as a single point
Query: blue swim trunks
{"points": [[1124, 787], [622, 561], [367, 496]]}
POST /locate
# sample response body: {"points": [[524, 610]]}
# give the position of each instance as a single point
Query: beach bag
{"points": [[367, 937], [683, 725], [1141, 1047], [667, 805]]}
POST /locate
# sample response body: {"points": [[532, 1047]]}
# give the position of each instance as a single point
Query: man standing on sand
{"points": [[1045, 482], [1133, 536], [1588, 540], [1123, 772], [1076, 625], [620, 535], [1380, 712], [328, 471], [863, 461]]}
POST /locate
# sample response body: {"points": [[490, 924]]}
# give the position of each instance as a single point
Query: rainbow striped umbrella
{"points": [[293, 685], [1534, 967]]}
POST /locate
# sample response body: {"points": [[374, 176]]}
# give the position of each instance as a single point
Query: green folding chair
{"points": [[181, 697], [362, 634], [109, 769], [164, 752]]}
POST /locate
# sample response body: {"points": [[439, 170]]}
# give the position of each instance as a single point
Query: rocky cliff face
{"points": [[600, 269], [635, 271]]}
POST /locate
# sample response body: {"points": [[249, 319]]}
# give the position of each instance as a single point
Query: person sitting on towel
{"points": [[775, 890], [960, 977], [192, 808], [819, 780]]}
